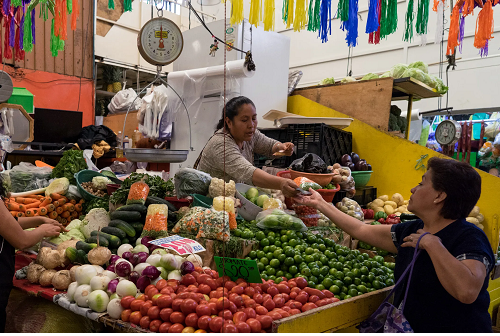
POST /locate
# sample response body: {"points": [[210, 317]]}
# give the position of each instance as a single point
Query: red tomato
{"points": [[126, 301], [155, 299], [242, 283], [260, 310], [146, 290], [229, 285], [250, 303], [216, 324], [266, 296], [212, 284], [272, 290], [223, 303], [176, 328], [152, 292], [275, 315], [136, 305], [164, 327], [142, 297], [232, 307], [239, 317], [250, 291], [294, 311], [284, 313], [295, 305], [313, 298], [154, 313], [293, 295], [176, 304], [301, 298], [192, 320], [144, 322], [202, 310], [154, 326], [258, 290], [125, 315], [204, 289], [174, 285], [243, 327], [229, 328], [245, 297], [135, 317], [192, 288], [292, 284], [219, 282], [203, 322], [145, 307], [250, 312], [213, 307], [285, 296], [279, 301], [265, 321], [283, 288], [187, 280], [164, 301], [226, 314], [301, 282], [265, 285], [236, 299], [269, 304], [202, 279], [285, 308], [177, 317], [238, 290], [188, 306], [254, 325], [308, 306], [321, 303], [183, 295], [161, 284], [165, 314], [259, 299], [167, 290]]}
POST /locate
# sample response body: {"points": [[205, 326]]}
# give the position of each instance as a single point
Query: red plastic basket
{"points": [[327, 194]]}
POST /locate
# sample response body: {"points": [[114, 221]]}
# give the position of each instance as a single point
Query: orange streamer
{"points": [[75, 13], [64, 19], [453, 32], [484, 26], [468, 7]]}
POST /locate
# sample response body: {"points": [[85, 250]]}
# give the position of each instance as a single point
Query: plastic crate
{"points": [[365, 195], [328, 142], [281, 135]]}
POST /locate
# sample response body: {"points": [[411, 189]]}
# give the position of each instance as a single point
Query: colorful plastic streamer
{"points": [[237, 11], [374, 38], [111, 4], [314, 17], [408, 36], [352, 24], [453, 32], [372, 23], [325, 20], [127, 5], [254, 13], [484, 28], [422, 17], [300, 21], [75, 14], [269, 15], [7, 51]]}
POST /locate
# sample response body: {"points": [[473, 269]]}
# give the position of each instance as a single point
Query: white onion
{"points": [[71, 291], [124, 248], [99, 282], [84, 274], [81, 295], [98, 268], [98, 301], [138, 241], [114, 296], [153, 282], [180, 260], [175, 274], [140, 267], [169, 262], [109, 274], [154, 260], [195, 259], [115, 308], [126, 287], [140, 248], [160, 251]]}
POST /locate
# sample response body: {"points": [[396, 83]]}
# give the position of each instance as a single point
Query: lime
{"points": [[284, 238], [357, 281], [260, 254], [348, 297], [356, 272], [322, 247], [338, 283], [247, 234], [237, 232], [352, 292], [305, 271], [282, 257], [309, 251], [339, 266], [271, 240], [252, 254], [327, 282], [364, 270], [344, 289], [352, 286], [248, 258], [271, 271], [347, 280], [389, 282], [308, 258], [269, 255], [321, 277], [298, 259], [288, 275], [324, 270], [320, 287], [280, 273], [284, 267], [274, 263], [302, 265], [350, 275], [299, 235], [265, 261], [260, 235], [284, 244], [362, 289], [290, 252], [342, 296], [345, 270], [289, 261], [271, 234], [324, 260], [277, 243], [293, 242], [264, 276], [293, 270], [335, 289], [313, 265], [329, 242], [315, 271], [339, 275], [272, 277], [371, 277], [311, 238], [266, 249], [313, 278], [264, 242], [260, 266], [341, 259], [316, 256], [277, 252], [272, 248]]}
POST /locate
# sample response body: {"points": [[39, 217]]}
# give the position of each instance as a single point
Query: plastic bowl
{"points": [[361, 178], [202, 201], [321, 179], [179, 202], [328, 194], [248, 210], [86, 176], [111, 188]]}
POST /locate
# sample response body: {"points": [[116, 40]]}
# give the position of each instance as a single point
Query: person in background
{"points": [[12, 237], [232, 147], [448, 290]]}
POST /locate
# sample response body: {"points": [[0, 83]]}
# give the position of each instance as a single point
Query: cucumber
{"points": [[72, 254], [133, 207], [114, 231], [127, 216], [80, 245], [81, 256], [85, 259], [102, 241], [115, 222], [113, 240], [138, 227], [114, 251], [124, 226], [157, 200], [408, 217], [125, 241]]}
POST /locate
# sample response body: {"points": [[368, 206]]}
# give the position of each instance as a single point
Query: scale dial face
{"points": [[160, 41], [448, 132]]}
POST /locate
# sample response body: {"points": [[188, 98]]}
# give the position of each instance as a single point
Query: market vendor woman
{"points": [[235, 154], [13, 236]]}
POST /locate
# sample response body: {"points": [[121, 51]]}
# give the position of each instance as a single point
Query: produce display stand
{"points": [[120, 326], [333, 317]]}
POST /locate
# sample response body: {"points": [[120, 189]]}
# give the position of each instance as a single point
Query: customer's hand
{"points": [[284, 149], [50, 230], [313, 201], [288, 187], [411, 240]]}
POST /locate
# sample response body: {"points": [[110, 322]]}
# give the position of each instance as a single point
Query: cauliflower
{"points": [[100, 182], [96, 219], [58, 186], [217, 188]]}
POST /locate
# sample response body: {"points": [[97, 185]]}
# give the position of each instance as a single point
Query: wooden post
{"points": [[408, 116]]}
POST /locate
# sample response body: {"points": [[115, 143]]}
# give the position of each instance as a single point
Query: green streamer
{"points": [[111, 4], [69, 6], [27, 35], [383, 19], [284, 11], [343, 10], [127, 5], [54, 43], [314, 17], [16, 3], [44, 10], [408, 36], [422, 17], [389, 20]]}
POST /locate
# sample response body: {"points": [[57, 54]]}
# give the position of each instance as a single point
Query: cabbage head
{"points": [[440, 87], [329, 80], [415, 73], [398, 70], [419, 65], [348, 80], [430, 81], [386, 74], [370, 76]]}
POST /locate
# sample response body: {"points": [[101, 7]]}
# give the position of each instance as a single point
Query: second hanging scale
{"points": [[160, 43]]}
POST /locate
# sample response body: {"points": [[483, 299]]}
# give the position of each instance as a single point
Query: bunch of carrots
{"points": [[54, 206]]}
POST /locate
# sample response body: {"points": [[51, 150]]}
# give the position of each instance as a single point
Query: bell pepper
{"points": [[369, 214], [380, 214], [375, 223], [392, 216], [381, 220]]}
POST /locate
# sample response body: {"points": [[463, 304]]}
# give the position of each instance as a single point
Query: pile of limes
{"points": [[322, 262]]}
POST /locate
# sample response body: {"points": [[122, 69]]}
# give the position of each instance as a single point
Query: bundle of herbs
{"points": [[71, 163], [157, 187]]}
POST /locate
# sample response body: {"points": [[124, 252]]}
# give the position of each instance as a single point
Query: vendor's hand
{"points": [[313, 201], [411, 240], [50, 230], [288, 187], [284, 149], [53, 222]]}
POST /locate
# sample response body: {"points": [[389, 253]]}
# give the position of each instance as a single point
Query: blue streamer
{"points": [[351, 25], [21, 30], [6, 7], [325, 27], [12, 31], [33, 24], [372, 21]]}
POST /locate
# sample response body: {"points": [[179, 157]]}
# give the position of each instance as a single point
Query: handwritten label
{"points": [[179, 244], [238, 269]]}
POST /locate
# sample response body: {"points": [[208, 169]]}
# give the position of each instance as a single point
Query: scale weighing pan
{"points": [[155, 155]]}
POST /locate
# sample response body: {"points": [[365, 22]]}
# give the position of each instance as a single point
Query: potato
{"points": [[49, 258], [378, 202], [384, 198], [99, 256], [377, 209], [480, 217], [336, 179], [391, 203], [398, 199], [34, 272], [473, 220], [406, 202], [397, 214], [481, 226], [46, 277], [388, 209], [474, 212], [401, 209], [336, 166]]}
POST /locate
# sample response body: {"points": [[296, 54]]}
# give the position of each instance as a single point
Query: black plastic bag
{"points": [[310, 163], [90, 134]]}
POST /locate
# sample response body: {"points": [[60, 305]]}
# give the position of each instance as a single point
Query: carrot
{"points": [[64, 221], [20, 214], [43, 211], [82, 201], [14, 213], [59, 210], [13, 206], [30, 213], [78, 207], [59, 219], [55, 196], [51, 207], [62, 201], [23, 200], [73, 201], [65, 214], [53, 215], [68, 207], [46, 201], [74, 214], [56, 204], [33, 205]]}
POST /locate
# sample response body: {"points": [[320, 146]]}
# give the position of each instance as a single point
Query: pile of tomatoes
{"points": [[308, 215], [204, 302]]}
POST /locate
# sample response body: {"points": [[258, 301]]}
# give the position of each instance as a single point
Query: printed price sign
{"points": [[179, 244], [238, 268]]}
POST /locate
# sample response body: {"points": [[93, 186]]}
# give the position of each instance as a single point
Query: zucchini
{"points": [[133, 207], [138, 227], [127, 216], [157, 200], [72, 254], [114, 231], [102, 241], [81, 256], [80, 245], [125, 241], [124, 226], [113, 240]]}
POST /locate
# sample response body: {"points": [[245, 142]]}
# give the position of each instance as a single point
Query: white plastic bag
{"points": [[123, 101]]}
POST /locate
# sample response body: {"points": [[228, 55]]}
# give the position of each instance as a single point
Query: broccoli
{"points": [[393, 123], [395, 110], [402, 123]]}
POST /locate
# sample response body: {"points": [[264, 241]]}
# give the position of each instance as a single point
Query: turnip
{"points": [[61, 280]]}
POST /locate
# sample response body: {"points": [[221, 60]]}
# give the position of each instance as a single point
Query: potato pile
{"points": [[397, 205], [476, 218]]}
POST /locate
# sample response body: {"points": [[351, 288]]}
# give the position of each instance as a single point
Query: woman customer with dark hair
{"points": [[229, 153], [448, 290], [12, 237]]}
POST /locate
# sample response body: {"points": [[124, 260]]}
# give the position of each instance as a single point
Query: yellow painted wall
{"points": [[393, 160]]}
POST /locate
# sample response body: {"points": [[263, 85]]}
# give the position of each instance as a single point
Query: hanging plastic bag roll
{"points": [[234, 69]]}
